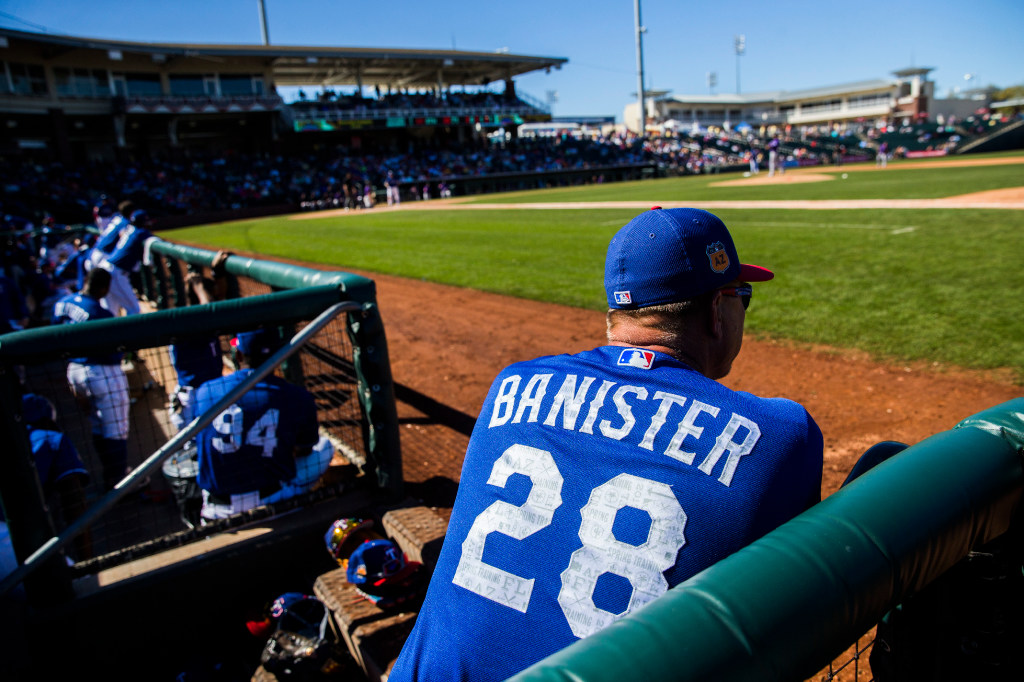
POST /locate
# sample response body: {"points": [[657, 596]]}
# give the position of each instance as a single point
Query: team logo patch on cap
{"points": [[623, 298], [636, 357], [718, 256]]}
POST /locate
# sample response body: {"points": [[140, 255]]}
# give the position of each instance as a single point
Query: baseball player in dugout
{"points": [[264, 448], [97, 381], [595, 482]]}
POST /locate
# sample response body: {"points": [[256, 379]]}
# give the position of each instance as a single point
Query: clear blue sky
{"points": [[790, 44]]}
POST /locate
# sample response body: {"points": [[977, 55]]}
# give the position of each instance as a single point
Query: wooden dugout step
{"points": [[375, 636]]}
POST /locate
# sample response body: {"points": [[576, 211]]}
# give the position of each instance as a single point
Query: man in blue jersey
{"points": [[198, 360], [110, 220], [595, 482], [62, 475], [61, 470], [97, 381], [125, 259], [266, 446]]}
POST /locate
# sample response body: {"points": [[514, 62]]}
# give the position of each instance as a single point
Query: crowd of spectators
{"points": [[328, 100], [198, 182], [205, 182]]}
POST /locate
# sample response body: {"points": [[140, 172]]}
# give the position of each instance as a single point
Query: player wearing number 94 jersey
{"points": [[252, 452], [595, 482]]}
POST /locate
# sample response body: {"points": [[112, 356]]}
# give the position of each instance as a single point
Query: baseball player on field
{"points": [[97, 381], [595, 482], [392, 189], [266, 446]]}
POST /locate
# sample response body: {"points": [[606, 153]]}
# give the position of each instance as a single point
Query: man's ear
{"points": [[716, 325]]}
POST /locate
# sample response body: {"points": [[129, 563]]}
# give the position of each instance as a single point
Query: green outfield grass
{"points": [[899, 181], [918, 285]]}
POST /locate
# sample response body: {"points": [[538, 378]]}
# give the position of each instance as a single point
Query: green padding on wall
{"points": [[785, 606], [1003, 420], [278, 275]]}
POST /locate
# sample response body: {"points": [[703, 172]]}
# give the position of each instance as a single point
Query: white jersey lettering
{"points": [[625, 411], [725, 443], [595, 406], [659, 418], [569, 401], [736, 439], [687, 427], [505, 401], [533, 394]]}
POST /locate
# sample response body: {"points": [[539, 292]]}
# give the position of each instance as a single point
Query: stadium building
{"points": [[76, 99], [908, 97]]}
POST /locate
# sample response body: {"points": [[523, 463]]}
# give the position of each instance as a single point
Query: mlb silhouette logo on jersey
{"points": [[623, 298], [635, 357]]}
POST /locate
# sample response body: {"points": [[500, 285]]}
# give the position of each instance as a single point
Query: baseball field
{"points": [[895, 312]]}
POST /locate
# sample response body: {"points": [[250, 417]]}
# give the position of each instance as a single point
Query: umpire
{"points": [[595, 482]]}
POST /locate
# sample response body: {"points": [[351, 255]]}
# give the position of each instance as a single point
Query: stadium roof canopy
{"points": [[785, 95], [294, 65]]}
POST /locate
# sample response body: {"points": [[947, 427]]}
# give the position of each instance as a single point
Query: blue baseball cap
{"points": [[669, 255], [258, 343]]}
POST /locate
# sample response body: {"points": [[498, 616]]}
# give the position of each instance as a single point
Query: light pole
{"points": [[741, 46], [552, 97], [969, 77], [712, 82], [263, 22], [640, 30]]}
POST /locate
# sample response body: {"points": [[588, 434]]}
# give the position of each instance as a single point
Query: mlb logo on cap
{"points": [[636, 357], [623, 298]]}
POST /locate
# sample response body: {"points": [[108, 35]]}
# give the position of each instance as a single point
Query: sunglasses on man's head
{"points": [[744, 292]]}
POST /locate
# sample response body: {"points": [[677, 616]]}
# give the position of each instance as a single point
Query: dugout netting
{"points": [[334, 347]]}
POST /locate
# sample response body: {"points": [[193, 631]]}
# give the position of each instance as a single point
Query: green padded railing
{"points": [[788, 604]]}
